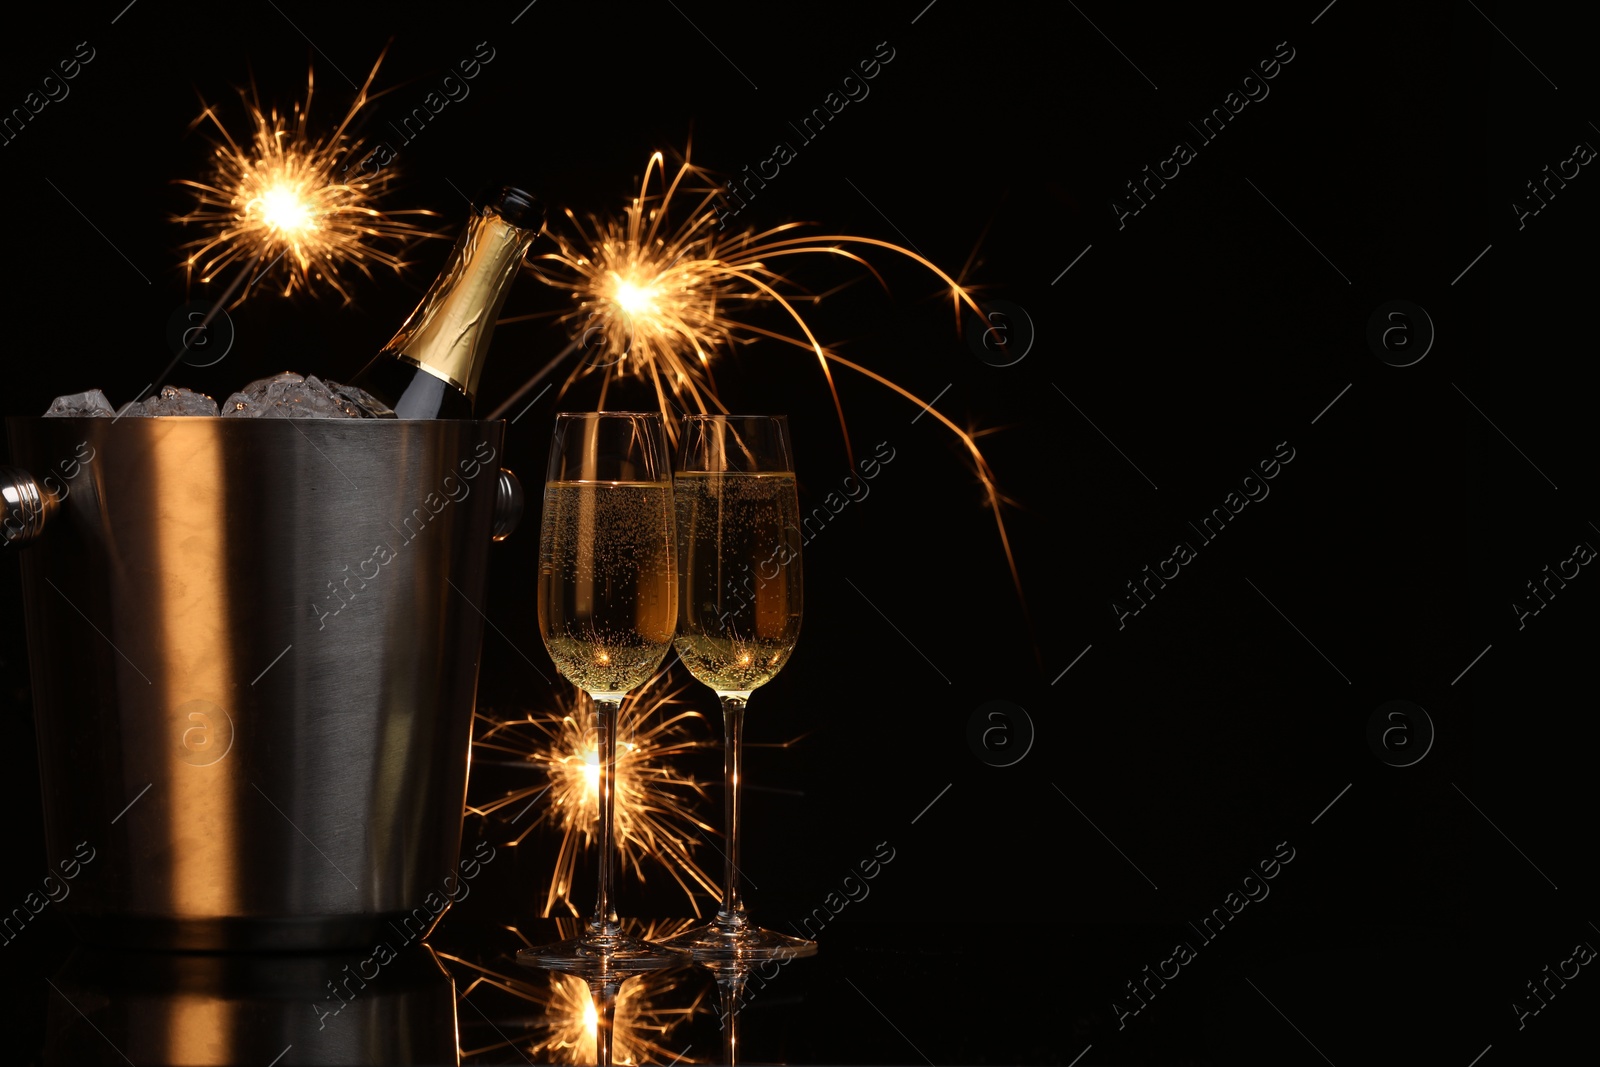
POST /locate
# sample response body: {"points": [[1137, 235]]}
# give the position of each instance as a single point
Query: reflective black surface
{"points": [[106, 1007], [1272, 994]]}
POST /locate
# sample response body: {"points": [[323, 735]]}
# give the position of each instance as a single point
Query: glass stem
{"points": [[731, 917], [605, 922]]}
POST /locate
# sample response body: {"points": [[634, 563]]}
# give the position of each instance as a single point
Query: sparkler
{"points": [[569, 1029], [288, 194], [658, 299], [654, 802]]}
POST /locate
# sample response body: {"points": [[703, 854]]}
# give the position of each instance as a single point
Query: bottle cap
{"points": [[517, 206]]}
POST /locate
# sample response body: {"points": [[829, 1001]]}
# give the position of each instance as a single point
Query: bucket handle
{"points": [[25, 506], [508, 504]]}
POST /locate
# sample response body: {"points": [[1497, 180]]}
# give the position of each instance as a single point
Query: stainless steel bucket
{"points": [[254, 649]]}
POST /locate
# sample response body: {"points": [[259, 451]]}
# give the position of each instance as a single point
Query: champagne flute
{"points": [[739, 601], [607, 612]]}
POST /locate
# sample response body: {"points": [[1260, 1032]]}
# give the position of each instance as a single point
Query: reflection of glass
{"points": [[598, 1017], [607, 606], [381, 1006], [733, 993], [731, 979], [739, 608]]}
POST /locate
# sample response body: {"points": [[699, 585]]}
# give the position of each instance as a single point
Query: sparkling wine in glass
{"points": [[739, 606], [607, 612]]}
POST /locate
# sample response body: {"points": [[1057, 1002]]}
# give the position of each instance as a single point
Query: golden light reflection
{"points": [[195, 673], [566, 1029], [197, 1025]]}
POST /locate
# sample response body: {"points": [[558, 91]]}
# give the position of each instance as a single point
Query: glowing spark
{"points": [[642, 1024], [287, 194], [662, 298], [655, 804], [591, 1019], [591, 776], [638, 301]]}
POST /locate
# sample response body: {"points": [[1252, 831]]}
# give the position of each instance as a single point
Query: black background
{"points": [[1181, 348]]}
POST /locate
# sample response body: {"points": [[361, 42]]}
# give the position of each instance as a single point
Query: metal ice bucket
{"points": [[254, 649]]}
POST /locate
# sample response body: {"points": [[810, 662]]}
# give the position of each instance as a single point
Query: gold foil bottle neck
{"points": [[448, 334]]}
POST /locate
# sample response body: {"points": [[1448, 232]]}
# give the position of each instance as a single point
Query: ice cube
{"points": [[287, 396], [172, 400], [360, 404], [80, 405], [247, 402]]}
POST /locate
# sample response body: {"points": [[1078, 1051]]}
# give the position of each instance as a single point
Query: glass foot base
{"points": [[713, 944], [598, 956]]}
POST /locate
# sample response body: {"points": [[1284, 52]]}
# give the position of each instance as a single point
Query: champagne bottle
{"points": [[430, 369]]}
